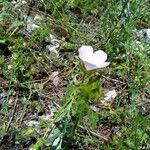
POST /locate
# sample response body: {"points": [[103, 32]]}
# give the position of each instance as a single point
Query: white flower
{"points": [[92, 60]]}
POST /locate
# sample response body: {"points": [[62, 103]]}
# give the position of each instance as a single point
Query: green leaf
{"points": [[55, 138], [38, 144], [93, 118], [57, 144], [28, 132], [2, 60], [69, 93]]}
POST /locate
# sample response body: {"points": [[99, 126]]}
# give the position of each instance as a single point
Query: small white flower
{"points": [[92, 60]]}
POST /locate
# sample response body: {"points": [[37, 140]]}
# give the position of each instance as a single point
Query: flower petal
{"points": [[103, 65], [99, 56], [85, 52], [90, 66]]}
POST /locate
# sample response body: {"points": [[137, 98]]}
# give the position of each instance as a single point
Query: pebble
{"points": [[143, 35]]}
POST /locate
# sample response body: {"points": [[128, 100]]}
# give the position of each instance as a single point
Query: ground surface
{"points": [[47, 98]]}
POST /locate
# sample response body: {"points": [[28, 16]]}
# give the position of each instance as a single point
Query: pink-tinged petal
{"points": [[85, 52], [99, 56], [103, 65], [90, 66]]}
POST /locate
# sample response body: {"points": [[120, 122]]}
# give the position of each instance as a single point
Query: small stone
{"points": [[54, 107], [52, 49], [23, 2], [10, 102], [47, 117], [31, 26], [110, 95], [9, 67], [49, 38], [56, 81], [53, 45], [37, 18], [55, 78], [143, 35], [94, 108], [34, 124]]}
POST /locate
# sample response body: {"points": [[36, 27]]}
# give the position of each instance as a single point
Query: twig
{"points": [[13, 113], [115, 80], [97, 135]]}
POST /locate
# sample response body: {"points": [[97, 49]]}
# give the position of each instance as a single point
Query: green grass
{"points": [[106, 25]]}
